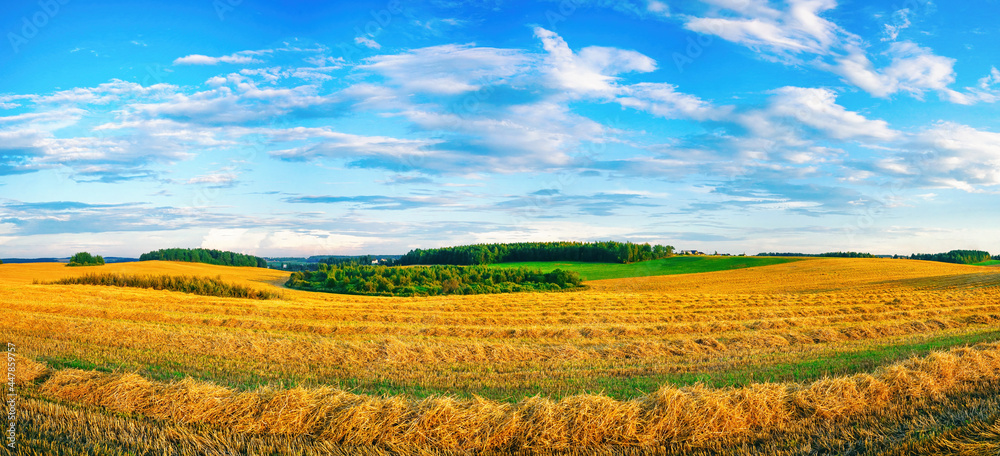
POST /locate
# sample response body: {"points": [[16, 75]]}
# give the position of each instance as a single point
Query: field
{"points": [[841, 356], [666, 266], [989, 263]]}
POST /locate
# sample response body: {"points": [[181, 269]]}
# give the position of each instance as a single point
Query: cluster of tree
{"points": [[825, 255], [206, 286], [955, 256], [210, 256], [479, 254], [429, 280], [86, 259]]}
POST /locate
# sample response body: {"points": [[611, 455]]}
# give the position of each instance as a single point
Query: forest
{"points": [[209, 256], [481, 254], [955, 256], [429, 280]]}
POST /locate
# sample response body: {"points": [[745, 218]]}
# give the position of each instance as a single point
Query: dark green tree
{"points": [[86, 259]]}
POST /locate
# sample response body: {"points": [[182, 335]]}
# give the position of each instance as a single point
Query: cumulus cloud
{"points": [[949, 155], [913, 69], [592, 71], [800, 35], [817, 108]]}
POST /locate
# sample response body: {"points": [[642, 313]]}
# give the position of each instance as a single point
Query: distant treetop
{"points": [[208, 256]]}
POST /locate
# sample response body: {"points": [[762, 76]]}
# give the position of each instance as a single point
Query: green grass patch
{"points": [[815, 367], [988, 263], [666, 266]]}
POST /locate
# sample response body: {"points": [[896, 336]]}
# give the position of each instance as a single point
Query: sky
{"points": [[313, 128]]}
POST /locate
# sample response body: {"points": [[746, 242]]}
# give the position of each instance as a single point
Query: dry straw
{"points": [[692, 415]]}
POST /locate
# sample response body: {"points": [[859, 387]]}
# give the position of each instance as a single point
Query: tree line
{"points": [[956, 256], [209, 256], [825, 255], [429, 280], [596, 252]]}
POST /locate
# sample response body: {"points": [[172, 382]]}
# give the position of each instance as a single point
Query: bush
{"points": [[430, 280], [206, 286]]}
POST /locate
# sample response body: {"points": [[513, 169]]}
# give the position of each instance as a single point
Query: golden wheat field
{"points": [[823, 356]]}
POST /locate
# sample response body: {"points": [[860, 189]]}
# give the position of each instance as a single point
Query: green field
{"points": [[988, 263], [666, 266]]}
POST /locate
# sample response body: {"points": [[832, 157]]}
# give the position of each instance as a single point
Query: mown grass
{"points": [[666, 266], [803, 369]]}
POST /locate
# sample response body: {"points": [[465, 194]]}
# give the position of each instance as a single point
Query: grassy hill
{"points": [[989, 263], [666, 266]]}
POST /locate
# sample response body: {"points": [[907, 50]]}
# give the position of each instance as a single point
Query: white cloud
{"points": [[225, 177], [367, 42], [520, 138], [448, 69], [817, 108], [313, 242], [913, 69], [240, 240], [901, 20], [986, 91], [243, 57], [784, 33], [332, 144], [948, 155], [800, 35], [663, 100], [591, 71], [658, 7]]}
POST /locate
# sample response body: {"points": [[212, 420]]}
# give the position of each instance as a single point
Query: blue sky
{"points": [[377, 127]]}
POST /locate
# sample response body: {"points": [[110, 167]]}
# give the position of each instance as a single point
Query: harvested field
{"points": [[752, 360]]}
